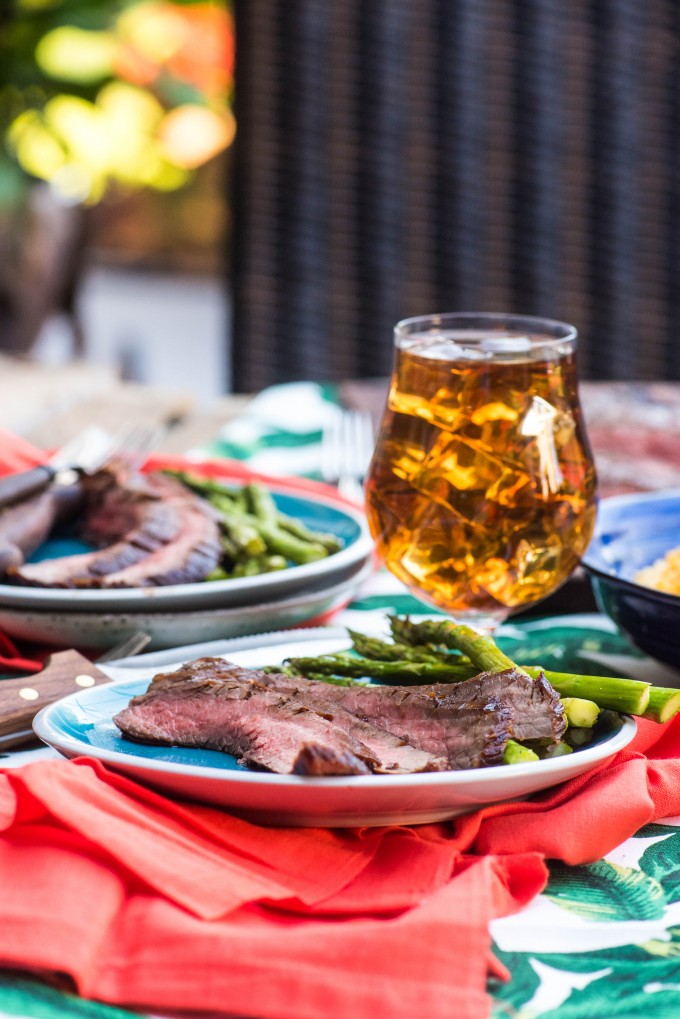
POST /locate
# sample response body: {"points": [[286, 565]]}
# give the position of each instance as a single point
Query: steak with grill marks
{"points": [[284, 732], [151, 530], [273, 721], [434, 715]]}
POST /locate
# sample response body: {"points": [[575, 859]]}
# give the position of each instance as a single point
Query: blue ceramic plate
{"points": [[81, 725], [317, 512]]}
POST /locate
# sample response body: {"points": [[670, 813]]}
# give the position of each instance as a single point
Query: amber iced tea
{"points": [[481, 495]]}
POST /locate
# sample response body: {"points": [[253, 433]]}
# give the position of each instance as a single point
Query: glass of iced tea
{"points": [[481, 493]]}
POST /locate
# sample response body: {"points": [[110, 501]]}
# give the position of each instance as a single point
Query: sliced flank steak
{"points": [[149, 529], [25, 525], [284, 732], [295, 725]]}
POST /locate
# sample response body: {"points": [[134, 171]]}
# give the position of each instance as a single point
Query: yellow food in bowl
{"points": [[663, 575]]}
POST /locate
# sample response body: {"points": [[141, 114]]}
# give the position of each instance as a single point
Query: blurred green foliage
{"points": [[101, 94]]}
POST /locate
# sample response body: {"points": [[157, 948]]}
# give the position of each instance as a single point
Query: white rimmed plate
{"points": [[81, 725], [319, 512]]}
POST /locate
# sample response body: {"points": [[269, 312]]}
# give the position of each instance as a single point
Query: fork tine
{"points": [[365, 440], [133, 445], [346, 449]]}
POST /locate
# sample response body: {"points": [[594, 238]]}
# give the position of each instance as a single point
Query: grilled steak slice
{"points": [[284, 732], [151, 531], [452, 720], [27, 524], [464, 725]]}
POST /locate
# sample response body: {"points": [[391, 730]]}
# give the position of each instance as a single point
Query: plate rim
{"points": [[354, 572], [298, 608]]}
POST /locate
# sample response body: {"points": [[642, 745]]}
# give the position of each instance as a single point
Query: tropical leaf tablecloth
{"points": [[603, 940]]}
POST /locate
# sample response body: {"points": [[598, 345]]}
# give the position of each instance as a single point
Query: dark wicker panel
{"points": [[398, 157]]}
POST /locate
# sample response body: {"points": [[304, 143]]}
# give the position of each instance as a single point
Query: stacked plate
{"points": [[192, 613]]}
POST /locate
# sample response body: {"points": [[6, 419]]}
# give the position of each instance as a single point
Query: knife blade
{"points": [[125, 667]]}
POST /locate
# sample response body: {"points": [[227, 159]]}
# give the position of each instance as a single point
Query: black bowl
{"points": [[634, 531]]}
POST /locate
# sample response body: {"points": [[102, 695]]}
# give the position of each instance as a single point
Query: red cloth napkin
{"points": [[162, 905], [16, 454]]}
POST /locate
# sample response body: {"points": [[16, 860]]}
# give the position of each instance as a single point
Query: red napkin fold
{"points": [[163, 905], [16, 454]]}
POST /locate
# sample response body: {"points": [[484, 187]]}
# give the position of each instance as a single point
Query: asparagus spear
{"points": [[409, 673], [629, 696], [255, 565], [219, 573], [580, 712], [559, 749], [382, 650], [516, 753], [260, 503], [299, 530], [664, 703], [244, 535], [286, 544], [577, 737], [200, 485], [482, 650]]}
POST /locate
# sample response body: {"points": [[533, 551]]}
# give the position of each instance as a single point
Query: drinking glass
{"points": [[481, 495]]}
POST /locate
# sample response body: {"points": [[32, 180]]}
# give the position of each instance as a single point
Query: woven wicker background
{"points": [[397, 157]]}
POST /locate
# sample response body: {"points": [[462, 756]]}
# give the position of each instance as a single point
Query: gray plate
{"points": [[60, 628]]}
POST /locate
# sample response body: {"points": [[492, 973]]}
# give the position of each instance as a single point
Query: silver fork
{"points": [[346, 449]]}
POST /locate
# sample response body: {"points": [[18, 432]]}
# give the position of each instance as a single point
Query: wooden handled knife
{"points": [[22, 698]]}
